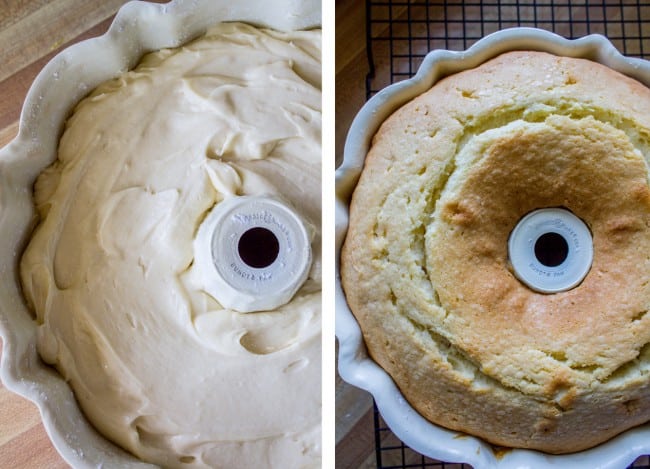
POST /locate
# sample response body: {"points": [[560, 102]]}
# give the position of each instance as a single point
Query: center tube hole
{"points": [[258, 247], [551, 249]]}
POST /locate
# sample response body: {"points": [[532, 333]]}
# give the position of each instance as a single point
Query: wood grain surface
{"points": [[355, 444], [31, 33]]}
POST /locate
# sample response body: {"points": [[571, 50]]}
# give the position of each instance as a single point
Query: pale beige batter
{"points": [[157, 364]]}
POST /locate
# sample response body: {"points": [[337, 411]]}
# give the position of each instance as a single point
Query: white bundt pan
{"points": [[138, 28], [355, 366]]}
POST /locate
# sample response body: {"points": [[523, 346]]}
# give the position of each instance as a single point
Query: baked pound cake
{"points": [[425, 264], [157, 364]]}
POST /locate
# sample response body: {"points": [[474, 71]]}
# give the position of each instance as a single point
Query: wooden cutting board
{"points": [[31, 33]]}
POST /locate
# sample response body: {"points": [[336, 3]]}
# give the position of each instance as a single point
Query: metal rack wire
{"points": [[399, 33]]}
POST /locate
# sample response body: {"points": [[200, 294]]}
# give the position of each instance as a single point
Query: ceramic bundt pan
{"points": [[355, 366], [138, 28]]}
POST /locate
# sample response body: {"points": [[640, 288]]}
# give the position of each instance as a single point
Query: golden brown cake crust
{"points": [[425, 263]]}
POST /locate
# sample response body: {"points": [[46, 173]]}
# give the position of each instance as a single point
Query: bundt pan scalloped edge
{"points": [[355, 366], [138, 28]]}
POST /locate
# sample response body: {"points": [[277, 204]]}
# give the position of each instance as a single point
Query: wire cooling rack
{"points": [[399, 33]]}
